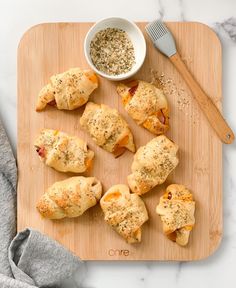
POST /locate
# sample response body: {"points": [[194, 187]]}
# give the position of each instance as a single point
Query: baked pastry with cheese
{"points": [[107, 128], [70, 198], [125, 212], [176, 209], [152, 164], [146, 104], [63, 152], [68, 90]]}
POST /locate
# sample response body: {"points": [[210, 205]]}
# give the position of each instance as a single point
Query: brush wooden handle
{"points": [[213, 115]]}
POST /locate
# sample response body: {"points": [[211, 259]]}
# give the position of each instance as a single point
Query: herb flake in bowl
{"points": [[112, 51]]}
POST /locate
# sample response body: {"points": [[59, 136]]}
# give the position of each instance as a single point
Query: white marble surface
{"points": [[16, 16]]}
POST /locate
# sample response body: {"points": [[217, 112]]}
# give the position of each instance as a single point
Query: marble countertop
{"points": [[17, 16]]}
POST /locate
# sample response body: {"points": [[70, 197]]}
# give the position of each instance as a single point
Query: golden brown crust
{"points": [[146, 104], [107, 128], [152, 164], [63, 152], [176, 209], [70, 198], [68, 90], [125, 212]]}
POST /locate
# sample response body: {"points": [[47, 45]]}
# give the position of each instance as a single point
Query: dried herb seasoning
{"points": [[112, 51]]}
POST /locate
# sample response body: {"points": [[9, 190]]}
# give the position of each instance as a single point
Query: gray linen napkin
{"points": [[29, 259]]}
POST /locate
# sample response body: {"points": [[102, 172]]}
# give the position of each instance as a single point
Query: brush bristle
{"points": [[156, 30], [161, 38]]}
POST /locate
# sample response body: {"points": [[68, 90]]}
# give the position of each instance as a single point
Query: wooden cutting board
{"points": [[47, 49]]}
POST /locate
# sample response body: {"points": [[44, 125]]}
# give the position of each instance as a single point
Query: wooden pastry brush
{"points": [[164, 42]]}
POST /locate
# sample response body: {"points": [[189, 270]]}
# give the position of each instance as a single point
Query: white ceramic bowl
{"points": [[136, 36]]}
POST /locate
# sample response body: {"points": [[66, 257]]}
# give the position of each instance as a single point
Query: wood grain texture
{"points": [[47, 49]]}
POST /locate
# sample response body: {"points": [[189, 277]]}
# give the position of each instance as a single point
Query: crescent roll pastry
{"points": [[70, 198], [146, 104], [68, 90], [176, 209], [152, 164], [63, 152], [107, 128], [125, 212]]}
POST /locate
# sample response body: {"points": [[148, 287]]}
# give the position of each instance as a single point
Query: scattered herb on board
{"points": [[112, 52]]}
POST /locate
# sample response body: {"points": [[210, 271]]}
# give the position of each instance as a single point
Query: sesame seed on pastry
{"points": [[152, 164], [146, 104], [125, 212], [68, 90], [63, 152], [107, 128], [70, 197], [176, 209]]}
